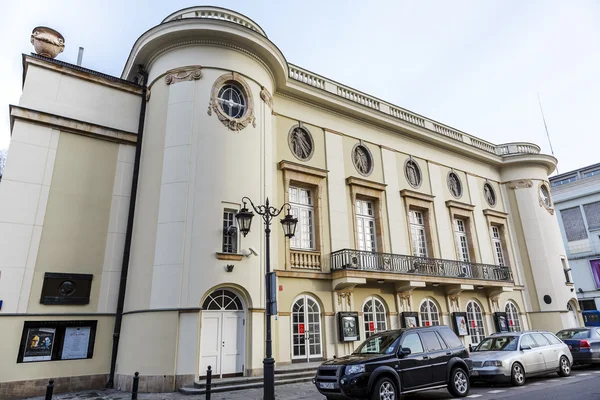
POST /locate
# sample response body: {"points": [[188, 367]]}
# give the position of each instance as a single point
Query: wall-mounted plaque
{"points": [[348, 326], [61, 288]]}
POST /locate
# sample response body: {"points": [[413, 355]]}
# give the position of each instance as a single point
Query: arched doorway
{"points": [[430, 315], [475, 321], [573, 320], [306, 329], [512, 312], [374, 316], [223, 334]]}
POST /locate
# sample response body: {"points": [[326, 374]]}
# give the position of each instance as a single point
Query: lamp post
{"points": [[244, 218]]}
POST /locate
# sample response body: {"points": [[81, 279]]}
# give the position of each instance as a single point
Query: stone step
{"points": [[283, 375], [192, 390]]}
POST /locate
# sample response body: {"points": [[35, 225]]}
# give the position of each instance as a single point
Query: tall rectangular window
{"points": [[462, 244], [573, 224], [497, 243], [417, 231], [365, 225], [592, 215], [303, 208], [230, 236], [595, 264]]}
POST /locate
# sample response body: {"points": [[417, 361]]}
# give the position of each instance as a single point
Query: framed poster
{"points": [[76, 342], [39, 344], [348, 326], [460, 323], [409, 319], [43, 341], [501, 321]]}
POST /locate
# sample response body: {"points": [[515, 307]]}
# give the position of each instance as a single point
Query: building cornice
{"points": [[70, 125]]}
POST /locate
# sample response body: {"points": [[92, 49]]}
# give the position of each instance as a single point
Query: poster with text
{"points": [[75, 345], [39, 344]]}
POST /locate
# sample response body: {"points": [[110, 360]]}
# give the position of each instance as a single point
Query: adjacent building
{"points": [[117, 216], [577, 198]]}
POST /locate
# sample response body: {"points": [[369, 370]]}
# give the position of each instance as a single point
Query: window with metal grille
{"points": [[417, 231], [592, 215], [229, 232], [497, 242], [573, 224], [462, 244], [303, 208]]}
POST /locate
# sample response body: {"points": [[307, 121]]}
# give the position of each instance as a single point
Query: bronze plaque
{"points": [[61, 288]]}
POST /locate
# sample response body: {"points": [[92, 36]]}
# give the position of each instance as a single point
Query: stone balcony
{"points": [[397, 267]]}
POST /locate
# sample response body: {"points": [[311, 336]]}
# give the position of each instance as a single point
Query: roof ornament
{"points": [[47, 42]]}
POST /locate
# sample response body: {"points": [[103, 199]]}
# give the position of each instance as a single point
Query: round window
{"points": [[545, 196], [232, 100]]}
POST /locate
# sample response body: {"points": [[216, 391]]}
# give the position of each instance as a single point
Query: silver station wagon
{"points": [[511, 357]]}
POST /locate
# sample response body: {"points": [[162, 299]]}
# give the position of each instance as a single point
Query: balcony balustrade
{"points": [[347, 259]]}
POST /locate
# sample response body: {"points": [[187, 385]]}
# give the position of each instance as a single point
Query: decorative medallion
{"points": [[67, 288], [489, 194], [544, 198], [183, 74], [362, 159], [231, 99], [454, 184], [521, 184], [301, 142], [412, 172]]}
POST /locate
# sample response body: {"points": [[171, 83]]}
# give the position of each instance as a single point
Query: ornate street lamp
{"points": [[244, 219]]}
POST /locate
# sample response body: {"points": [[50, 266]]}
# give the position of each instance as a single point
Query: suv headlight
{"points": [[355, 369], [493, 363]]}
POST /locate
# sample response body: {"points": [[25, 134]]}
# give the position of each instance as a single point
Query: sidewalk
{"points": [[298, 391]]}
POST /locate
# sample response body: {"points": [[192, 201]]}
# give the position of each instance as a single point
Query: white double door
{"points": [[306, 329], [222, 342]]}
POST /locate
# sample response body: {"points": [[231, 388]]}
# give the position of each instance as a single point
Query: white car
{"points": [[512, 357]]}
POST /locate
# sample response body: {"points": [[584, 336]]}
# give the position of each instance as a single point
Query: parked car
{"points": [[395, 362], [584, 344], [512, 357]]}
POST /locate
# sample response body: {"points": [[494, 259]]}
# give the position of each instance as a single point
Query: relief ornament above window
{"points": [[362, 159], [301, 142], [413, 173], [454, 184], [231, 99], [489, 194]]}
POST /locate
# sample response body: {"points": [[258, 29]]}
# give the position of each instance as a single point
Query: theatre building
{"points": [[118, 216]]}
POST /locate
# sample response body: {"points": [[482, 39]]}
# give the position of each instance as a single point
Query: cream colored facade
{"points": [[64, 206]]}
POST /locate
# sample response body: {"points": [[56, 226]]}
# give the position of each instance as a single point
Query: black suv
{"points": [[395, 362]]}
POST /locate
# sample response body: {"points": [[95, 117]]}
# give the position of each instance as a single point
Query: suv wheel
{"points": [[517, 375], [459, 384], [384, 389], [564, 366]]}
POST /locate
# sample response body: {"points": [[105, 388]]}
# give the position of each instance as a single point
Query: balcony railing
{"points": [[401, 264]]}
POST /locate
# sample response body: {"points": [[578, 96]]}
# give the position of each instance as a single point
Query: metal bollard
{"points": [[49, 390], [136, 382], [208, 382]]}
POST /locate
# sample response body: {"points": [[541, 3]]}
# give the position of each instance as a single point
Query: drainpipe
{"points": [[128, 234]]}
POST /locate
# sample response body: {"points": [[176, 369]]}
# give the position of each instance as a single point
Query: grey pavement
{"points": [[584, 383]]}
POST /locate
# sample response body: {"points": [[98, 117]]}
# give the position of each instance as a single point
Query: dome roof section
{"points": [[208, 12]]}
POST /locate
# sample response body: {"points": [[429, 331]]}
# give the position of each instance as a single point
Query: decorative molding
{"points": [[70, 125], [229, 256], [454, 303], [461, 205], [304, 169], [284, 313], [344, 295], [520, 184], [329, 314], [362, 158], [183, 74], [404, 300], [266, 96], [494, 213], [416, 195], [495, 303], [257, 310], [301, 142], [234, 124], [303, 274], [355, 181]]}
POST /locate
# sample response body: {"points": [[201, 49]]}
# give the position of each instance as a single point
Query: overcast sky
{"points": [[474, 65]]}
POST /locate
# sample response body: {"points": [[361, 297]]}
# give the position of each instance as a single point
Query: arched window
{"points": [[222, 299], [475, 321], [430, 315], [574, 321], [306, 328], [514, 324], [374, 316]]}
